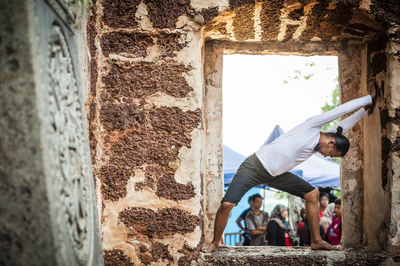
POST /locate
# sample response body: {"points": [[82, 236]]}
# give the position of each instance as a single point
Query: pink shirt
{"points": [[334, 231]]}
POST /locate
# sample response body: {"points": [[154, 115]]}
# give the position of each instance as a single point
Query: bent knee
{"points": [[312, 195], [227, 205]]}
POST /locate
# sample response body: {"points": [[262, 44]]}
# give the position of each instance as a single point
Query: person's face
{"points": [[251, 202], [257, 203], [323, 201], [338, 210], [284, 213], [329, 149], [303, 215]]}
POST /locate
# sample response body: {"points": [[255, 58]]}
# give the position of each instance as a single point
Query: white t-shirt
{"points": [[297, 145]]}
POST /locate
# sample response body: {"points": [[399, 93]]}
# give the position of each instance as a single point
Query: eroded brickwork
{"points": [[140, 79], [116, 257], [137, 142], [120, 13], [161, 224]]}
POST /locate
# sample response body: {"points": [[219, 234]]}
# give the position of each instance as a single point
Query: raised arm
{"points": [[349, 122], [322, 119]]}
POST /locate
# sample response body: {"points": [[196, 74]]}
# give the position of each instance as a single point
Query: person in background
{"points": [[302, 221], [335, 229], [305, 233], [256, 222], [241, 218], [328, 190], [326, 220], [323, 203], [278, 229]]}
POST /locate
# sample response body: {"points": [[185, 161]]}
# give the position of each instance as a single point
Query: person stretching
{"points": [[270, 165]]}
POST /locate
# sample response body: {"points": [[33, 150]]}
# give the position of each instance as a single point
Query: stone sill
{"points": [[292, 256]]}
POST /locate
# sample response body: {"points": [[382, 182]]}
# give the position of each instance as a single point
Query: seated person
{"points": [[305, 233], [278, 228], [256, 222], [326, 220], [323, 203], [335, 229], [303, 219]]}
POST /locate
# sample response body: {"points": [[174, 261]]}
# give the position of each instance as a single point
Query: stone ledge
{"points": [[292, 256]]}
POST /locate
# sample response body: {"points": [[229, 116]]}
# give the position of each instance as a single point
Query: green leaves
{"points": [[87, 3], [298, 74], [331, 104]]}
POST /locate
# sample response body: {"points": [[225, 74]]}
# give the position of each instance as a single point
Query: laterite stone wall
{"points": [[154, 113]]}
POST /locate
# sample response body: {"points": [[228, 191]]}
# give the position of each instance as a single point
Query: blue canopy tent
{"points": [[232, 161]]}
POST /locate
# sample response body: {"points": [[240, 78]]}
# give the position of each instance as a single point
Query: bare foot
{"points": [[322, 245], [210, 247]]}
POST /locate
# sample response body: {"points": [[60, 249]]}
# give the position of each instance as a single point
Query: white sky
{"points": [[255, 98]]}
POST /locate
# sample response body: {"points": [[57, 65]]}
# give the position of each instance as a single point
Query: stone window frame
{"points": [[352, 71]]}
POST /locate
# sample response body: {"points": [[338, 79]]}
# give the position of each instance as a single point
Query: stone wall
{"points": [[154, 111], [145, 118], [152, 73]]}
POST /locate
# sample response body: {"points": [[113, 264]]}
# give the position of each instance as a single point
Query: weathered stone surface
{"points": [[168, 188], [171, 131], [290, 256], [23, 201], [165, 13], [47, 196], [209, 13], [325, 22], [116, 257], [113, 182], [170, 43], [120, 13], [243, 23], [122, 116], [165, 129], [237, 3], [270, 19], [132, 43], [350, 76], [142, 79], [160, 224], [190, 254], [160, 252]]}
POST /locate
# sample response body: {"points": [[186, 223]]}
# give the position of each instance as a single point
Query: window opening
{"points": [[264, 96]]}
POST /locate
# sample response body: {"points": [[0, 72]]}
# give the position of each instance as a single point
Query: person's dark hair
{"points": [[342, 143], [303, 212], [323, 194], [338, 202], [253, 197], [276, 212]]}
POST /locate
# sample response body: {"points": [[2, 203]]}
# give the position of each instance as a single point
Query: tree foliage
{"points": [[333, 102]]}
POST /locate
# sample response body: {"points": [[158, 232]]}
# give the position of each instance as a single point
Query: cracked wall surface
{"points": [[154, 110]]}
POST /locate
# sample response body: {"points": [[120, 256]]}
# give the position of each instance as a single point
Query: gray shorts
{"points": [[252, 173]]}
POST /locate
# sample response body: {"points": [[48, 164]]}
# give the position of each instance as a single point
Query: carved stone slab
{"points": [[48, 207]]}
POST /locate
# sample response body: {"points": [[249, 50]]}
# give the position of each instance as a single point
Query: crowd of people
{"points": [[261, 229]]}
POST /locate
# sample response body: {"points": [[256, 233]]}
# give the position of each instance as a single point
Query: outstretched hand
{"points": [[369, 108], [372, 87]]}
